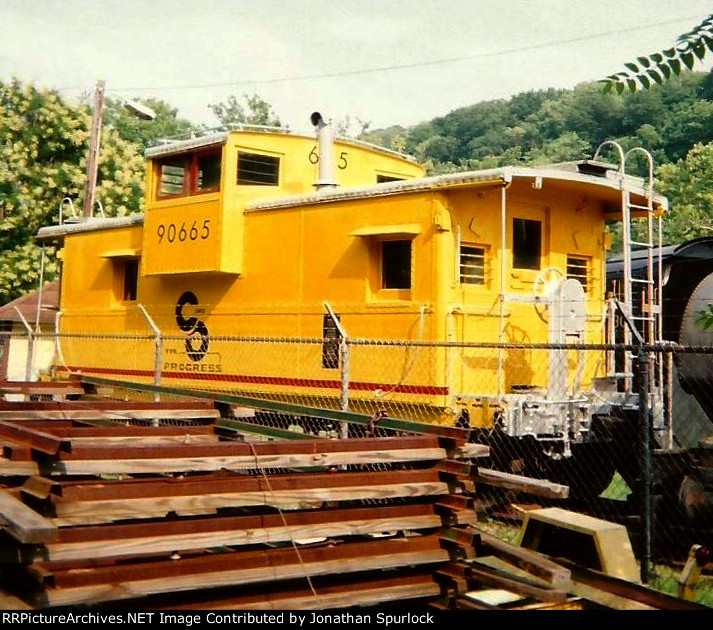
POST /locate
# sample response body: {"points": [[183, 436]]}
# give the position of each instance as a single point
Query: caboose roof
{"points": [[207, 139], [606, 186], [566, 176]]}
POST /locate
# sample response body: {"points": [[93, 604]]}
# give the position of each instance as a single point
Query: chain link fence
{"points": [[627, 429]]}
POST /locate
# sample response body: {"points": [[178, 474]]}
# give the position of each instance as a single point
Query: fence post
{"points": [[158, 341], [667, 361], [645, 479], [344, 378], [30, 345], [343, 367]]}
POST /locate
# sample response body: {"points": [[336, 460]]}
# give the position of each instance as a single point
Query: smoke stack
{"points": [[327, 173]]}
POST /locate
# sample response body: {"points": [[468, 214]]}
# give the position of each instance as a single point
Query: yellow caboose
{"points": [[261, 251]]}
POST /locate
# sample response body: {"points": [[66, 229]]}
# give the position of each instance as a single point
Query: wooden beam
{"points": [[326, 593], [118, 415], [8, 601], [33, 438], [95, 585], [168, 544], [537, 487], [495, 578], [531, 561], [622, 594], [23, 523], [81, 512], [207, 463]]}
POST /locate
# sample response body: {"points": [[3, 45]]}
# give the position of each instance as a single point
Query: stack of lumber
{"points": [[97, 514], [171, 506]]}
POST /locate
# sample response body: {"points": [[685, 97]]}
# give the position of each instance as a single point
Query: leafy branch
{"points": [[656, 68]]}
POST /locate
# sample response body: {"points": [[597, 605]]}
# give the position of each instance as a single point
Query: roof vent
{"points": [[596, 168], [327, 177]]}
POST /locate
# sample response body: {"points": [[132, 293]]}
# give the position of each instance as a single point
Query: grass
{"points": [[617, 490]]}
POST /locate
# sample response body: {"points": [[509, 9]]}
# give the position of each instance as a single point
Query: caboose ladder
{"points": [[645, 289], [649, 240]]}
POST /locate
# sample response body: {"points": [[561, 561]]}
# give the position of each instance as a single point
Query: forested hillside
{"points": [[44, 142], [673, 121], [556, 125]]}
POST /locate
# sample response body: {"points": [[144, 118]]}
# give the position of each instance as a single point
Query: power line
{"points": [[406, 66]]}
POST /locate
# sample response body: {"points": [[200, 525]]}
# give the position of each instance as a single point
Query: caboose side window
{"points": [[472, 264], [131, 279], [578, 269], [173, 177], [526, 243], [208, 172], [396, 264], [126, 278], [258, 170], [189, 174]]}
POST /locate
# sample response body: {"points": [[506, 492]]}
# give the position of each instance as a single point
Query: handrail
{"points": [[61, 209], [617, 146]]}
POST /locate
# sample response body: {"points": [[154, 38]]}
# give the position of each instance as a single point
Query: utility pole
{"points": [[93, 156]]}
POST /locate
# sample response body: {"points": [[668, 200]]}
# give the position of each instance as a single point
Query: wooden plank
{"points": [[168, 544], [149, 440], [468, 450], [328, 593], [455, 468], [247, 462], [23, 523], [22, 468], [13, 384], [71, 430], [531, 561], [537, 487], [620, 594], [492, 577], [385, 514], [81, 512], [131, 581], [33, 438], [110, 416], [8, 601], [452, 577], [42, 388], [318, 449], [39, 487], [106, 404], [199, 485], [348, 599]]}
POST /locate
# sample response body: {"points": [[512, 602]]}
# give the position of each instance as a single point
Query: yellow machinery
{"points": [[255, 239]]}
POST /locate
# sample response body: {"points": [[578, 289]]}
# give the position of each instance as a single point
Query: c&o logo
{"points": [[198, 339]]}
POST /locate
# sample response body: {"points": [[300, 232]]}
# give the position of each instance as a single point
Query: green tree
{"points": [[44, 144], [145, 133], [568, 147], [658, 67], [437, 148], [349, 127], [666, 120], [250, 109], [688, 184]]}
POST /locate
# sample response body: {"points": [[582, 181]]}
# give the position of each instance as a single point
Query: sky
{"points": [[385, 62]]}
